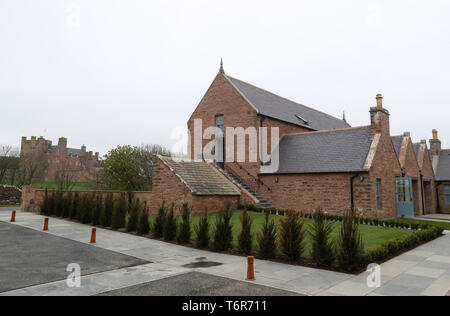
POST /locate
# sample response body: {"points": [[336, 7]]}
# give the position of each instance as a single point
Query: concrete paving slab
{"points": [[426, 272], [350, 288], [438, 287], [396, 267], [198, 284], [405, 285], [29, 257], [441, 259]]}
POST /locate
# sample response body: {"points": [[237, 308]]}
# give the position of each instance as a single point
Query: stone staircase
{"points": [[263, 203]]}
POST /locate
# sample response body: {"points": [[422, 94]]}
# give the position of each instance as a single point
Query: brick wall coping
{"points": [[92, 191]]}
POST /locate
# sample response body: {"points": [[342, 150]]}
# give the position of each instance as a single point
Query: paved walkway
{"points": [[435, 217], [423, 271]]}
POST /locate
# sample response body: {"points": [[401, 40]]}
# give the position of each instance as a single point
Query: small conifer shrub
{"points": [[184, 231], [202, 231], [245, 238], [170, 227]]}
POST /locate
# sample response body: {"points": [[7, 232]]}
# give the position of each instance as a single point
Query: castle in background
{"points": [[52, 160]]}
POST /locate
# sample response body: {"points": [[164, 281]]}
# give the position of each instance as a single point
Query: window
{"points": [[220, 122], [379, 194], [219, 147], [404, 190], [447, 194]]}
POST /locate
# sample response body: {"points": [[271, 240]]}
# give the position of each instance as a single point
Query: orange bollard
{"points": [[93, 235], [45, 224], [13, 216], [251, 269]]}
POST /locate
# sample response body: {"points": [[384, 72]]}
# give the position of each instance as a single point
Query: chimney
{"points": [[62, 143], [83, 148], [435, 144], [379, 118], [407, 134]]}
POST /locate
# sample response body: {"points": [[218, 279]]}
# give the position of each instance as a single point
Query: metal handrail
{"points": [[254, 178]]}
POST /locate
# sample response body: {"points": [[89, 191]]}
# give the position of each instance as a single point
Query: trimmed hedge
{"points": [[392, 247], [393, 223]]}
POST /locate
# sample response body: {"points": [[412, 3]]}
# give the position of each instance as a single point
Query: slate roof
{"points": [[70, 151], [201, 177], [417, 149], [324, 152], [271, 105], [397, 141], [443, 170]]}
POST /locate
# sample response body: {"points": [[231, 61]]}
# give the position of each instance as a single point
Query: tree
{"points": [[184, 232], [107, 211], [349, 244], [160, 221], [143, 224], [119, 213], [130, 168], [223, 234], [32, 166], [45, 204], [9, 163], [245, 239], [133, 218], [321, 242], [51, 203], [65, 175], [59, 203], [267, 240], [202, 231], [75, 206], [170, 227], [87, 206], [67, 205], [292, 236], [146, 159], [97, 210]]}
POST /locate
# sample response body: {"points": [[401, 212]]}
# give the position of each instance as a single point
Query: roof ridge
{"points": [[328, 131], [279, 96]]}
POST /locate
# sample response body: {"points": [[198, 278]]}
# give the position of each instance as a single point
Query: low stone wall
{"points": [[32, 198], [9, 195]]}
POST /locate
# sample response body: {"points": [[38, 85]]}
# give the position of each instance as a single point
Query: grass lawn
{"points": [[77, 185], [373, 236]]}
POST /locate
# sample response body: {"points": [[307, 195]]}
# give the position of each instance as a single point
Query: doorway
{"points": [[405, 197]]}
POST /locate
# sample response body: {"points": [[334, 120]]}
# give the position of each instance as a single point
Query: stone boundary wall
{"points": [[9, 195], [32, 198]]}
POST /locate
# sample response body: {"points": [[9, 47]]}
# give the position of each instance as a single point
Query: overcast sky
{"points": [[106, 73]]}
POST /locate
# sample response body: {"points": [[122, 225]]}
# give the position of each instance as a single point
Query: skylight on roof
{"points": [[302, 119]]}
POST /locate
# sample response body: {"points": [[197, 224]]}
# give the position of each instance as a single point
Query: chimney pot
{"points": [[379, 100], [435, 134]]}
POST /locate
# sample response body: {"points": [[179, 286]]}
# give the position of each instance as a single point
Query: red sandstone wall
{"points": [[222, 98], [430, 194], [443, 208]]}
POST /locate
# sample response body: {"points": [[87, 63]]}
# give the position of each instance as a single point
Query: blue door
{"points": [[405, 200]]}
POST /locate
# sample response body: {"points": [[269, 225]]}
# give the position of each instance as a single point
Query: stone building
{"points": [[56, 159], [441, 166], [323, 161]]}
